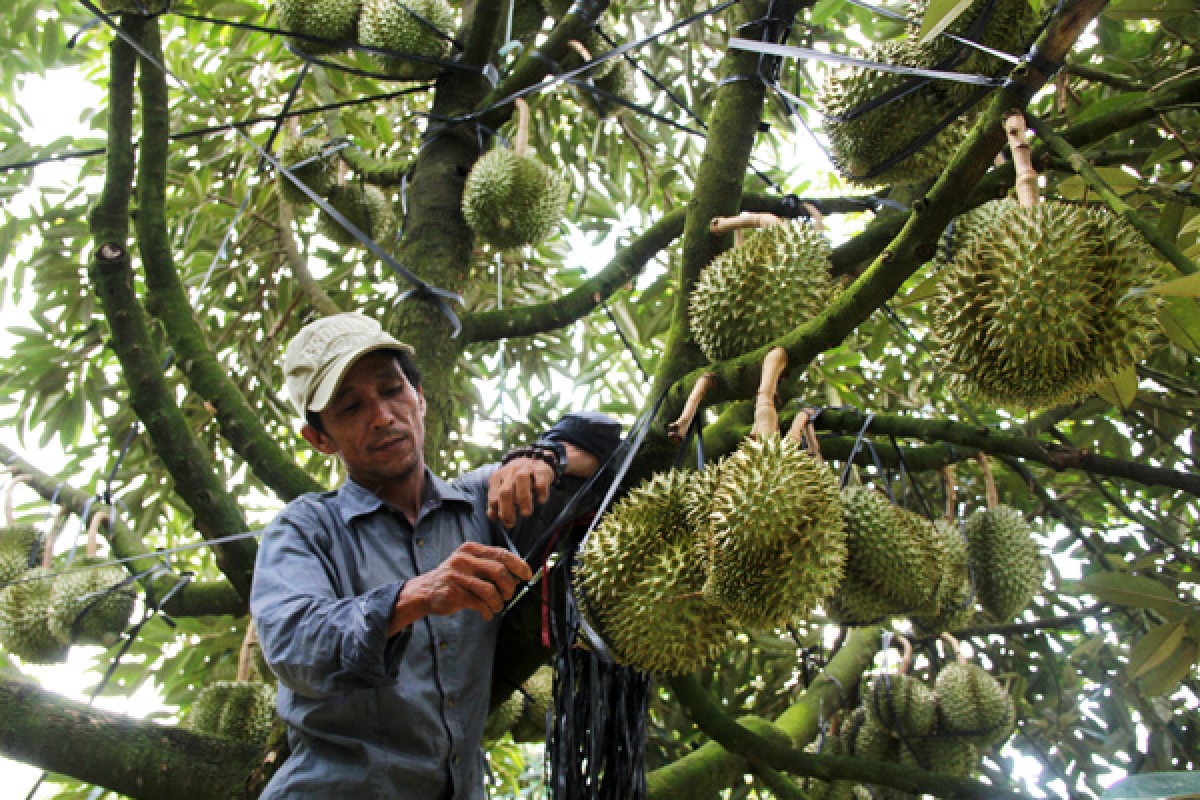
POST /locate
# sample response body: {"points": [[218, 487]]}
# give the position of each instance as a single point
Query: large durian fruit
{"points": [[861, 142], [243, 710], [363, 204], [91, 603], [510, 198], [415, 27], [20, 549], [1005, 25], [309, 160], [639, 578], [1007, 561], [328, 19], [775, 280], [1033, 308], [24, 627]]}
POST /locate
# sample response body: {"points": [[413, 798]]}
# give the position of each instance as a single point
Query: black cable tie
{"points": [[854, 450], [432, 294], [1042, 64], [728, 79], [91, 24]]}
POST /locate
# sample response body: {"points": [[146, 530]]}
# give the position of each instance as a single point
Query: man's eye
{"points": [[349, 408]]}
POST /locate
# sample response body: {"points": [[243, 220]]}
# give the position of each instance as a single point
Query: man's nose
{"points": [[381, 414]]}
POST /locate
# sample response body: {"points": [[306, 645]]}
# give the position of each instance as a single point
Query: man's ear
{"points": [[320, 441], [421, 398]]}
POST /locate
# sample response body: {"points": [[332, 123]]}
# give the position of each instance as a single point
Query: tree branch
{"points": [[134, 758], [299, 266]]}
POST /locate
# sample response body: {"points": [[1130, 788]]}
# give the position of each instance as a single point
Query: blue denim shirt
{"points": [[369, 716]]}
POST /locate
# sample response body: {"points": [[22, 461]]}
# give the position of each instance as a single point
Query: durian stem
{"points": [[98, 519], [48, 548], [804, 433], [679, 428], [951, 483], [747, 219], [245, 657], [1022, 154], [579, 48], [906, 654], [989, 482], [17, 480], [521, 140], [816, 217], [766, 418], [955, 650]]}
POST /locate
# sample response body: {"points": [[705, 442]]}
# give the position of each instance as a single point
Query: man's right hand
{"points": [[476, 577]]}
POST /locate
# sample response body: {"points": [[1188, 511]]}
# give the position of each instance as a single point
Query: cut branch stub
{"points": [[679, 428], [989, 482], [719, 226], [906, 654], [815, 216], [950, 481], [98, 519], [766, 418], [1027, 177], [521, 140]]}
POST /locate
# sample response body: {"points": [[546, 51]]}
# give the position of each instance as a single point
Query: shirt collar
{"points": [[355, 500]]}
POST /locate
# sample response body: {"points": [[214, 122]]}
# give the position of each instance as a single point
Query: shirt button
{"points": [[420, 542], [454, 760], [449, 704], [443, 646]]}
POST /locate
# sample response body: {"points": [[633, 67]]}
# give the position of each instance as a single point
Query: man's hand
{"points": [[518, 487], [475, 577]]}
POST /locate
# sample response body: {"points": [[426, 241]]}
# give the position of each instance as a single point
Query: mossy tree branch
{"points": [[168, 301], [134, 758], [215, 514], [760, 750], [914, 245]]}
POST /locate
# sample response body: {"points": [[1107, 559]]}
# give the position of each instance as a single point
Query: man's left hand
{"points": [[516, 488]]}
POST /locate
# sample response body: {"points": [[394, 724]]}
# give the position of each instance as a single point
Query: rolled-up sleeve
{"points": [[318, 638]]}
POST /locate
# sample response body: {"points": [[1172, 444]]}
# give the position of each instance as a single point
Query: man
{"points": [[376, 603]]}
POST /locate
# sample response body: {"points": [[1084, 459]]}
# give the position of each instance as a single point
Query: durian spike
{"points": [[989, 482], [766, 418], [951, 484], [245, 657], [679, 428], [952, 644], [816, 217], [747, 219], [98, 519], [906, 654], [521, 140], [17, 479], [1022, 155]]}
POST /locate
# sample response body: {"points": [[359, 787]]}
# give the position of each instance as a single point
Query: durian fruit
{"points": [[618, 81], [146, 7], [1032, 308], [775, 539], [1008, 563], [510, 198], [307, 159], [945, 755], [366, 206], [856, 602], [415, 27], [91, 604], [328, 19], [242, 710], [901, 703], [775, 280], [862, 142], [972, 704], [537, 698], [954, 591], [639, 577], [24, 628], [502, 718], [1004, 25], [18, 545], [892, 549]]}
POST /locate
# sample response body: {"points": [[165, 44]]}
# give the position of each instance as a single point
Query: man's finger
{"points": [[515, 565]]}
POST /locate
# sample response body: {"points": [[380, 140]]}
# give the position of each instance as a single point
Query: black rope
{"points": [[625, 339], [287, 106]]}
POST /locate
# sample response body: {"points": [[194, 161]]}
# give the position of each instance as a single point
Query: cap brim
{"points": [[338, 368]]}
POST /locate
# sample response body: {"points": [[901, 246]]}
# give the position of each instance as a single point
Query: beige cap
{"points": [[318, 357]]}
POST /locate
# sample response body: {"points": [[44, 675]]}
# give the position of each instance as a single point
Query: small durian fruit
{"points": [[1008, 563], [776, 543], [776, 279], [308, 159], [366, 206], [971, 703], [415, 27], [24, 628], [91, 603], [901, 703], [619, 81], [502, 718], [537, 698], [20, 549], [328, 19], [243, 710], [639, 577], [145, 7], [890, 548], [1034, 305], [862, 138], [510, 198]]}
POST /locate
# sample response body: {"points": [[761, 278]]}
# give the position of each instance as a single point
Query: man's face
{"points": [[375, 423]]}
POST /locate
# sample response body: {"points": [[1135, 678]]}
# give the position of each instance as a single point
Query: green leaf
{"points": [[1122, 589], [1155, 784], [1187, 286], [940, 15], [1180, 318], [1143, 9], [1166, 677], [1119, 389], [1155, 647]]}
